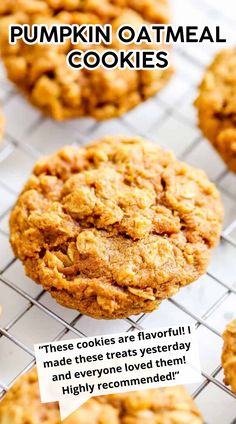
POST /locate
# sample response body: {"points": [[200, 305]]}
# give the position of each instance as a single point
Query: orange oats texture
{"points": [[41, 72], [170, 405], [216, 106], [114, 228], [229, 355]]}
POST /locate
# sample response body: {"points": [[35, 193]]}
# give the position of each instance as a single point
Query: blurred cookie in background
{"points": [[216, 104], [229, 355], [172, 405], [41, 71]]}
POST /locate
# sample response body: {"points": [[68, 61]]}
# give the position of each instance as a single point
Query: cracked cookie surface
{"points": [[41, 71], [114, 228], [229, 355], [170, 405], [216, 106]]}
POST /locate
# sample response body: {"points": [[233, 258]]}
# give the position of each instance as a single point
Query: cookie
{"points": [[171, 405], [41, 71], [216, 106], [229, 355], [114, 228]]}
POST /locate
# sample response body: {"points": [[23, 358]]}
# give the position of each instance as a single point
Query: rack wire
{"points": [[169, 119]]}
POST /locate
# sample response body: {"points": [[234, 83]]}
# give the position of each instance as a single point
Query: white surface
{"points": [[168, 119]]}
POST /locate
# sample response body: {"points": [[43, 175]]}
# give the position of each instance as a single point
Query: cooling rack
{"points": [[30, 315]]}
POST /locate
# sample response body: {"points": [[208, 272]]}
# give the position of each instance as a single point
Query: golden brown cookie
{"points": [[42, 74], [114, 228], [216, 106], [171, 405], [229, 355]]}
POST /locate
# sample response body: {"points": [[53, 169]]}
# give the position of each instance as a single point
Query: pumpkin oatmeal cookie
{"points": [[41, 71], [170, 405], [216, 106], [229, 355], [114, 228]]}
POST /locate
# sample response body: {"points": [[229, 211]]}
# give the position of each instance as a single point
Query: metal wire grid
{"points": [[13, 143]]}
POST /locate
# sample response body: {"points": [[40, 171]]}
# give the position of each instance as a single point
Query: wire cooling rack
{"points": [[30, 315]]}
